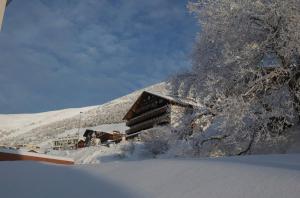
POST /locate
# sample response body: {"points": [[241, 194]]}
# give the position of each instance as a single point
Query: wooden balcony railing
{"points": [[148, 115], [149, 124]]}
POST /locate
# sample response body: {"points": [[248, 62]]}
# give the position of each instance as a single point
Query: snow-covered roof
{"points": [[175, 99], [172, 99]]}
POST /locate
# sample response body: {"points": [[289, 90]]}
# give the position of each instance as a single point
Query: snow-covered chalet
{"points": [[152, 109]]}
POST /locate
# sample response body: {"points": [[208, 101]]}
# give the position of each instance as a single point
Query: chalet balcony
{"points": [[148, 115], [149, 123], [148, 107]]}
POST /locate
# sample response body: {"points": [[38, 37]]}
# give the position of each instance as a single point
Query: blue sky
{"points": [[73, 53]]}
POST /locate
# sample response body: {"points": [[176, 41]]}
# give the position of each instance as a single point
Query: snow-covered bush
{"points": [[157, 140]]}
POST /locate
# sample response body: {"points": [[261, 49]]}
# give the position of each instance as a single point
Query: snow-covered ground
{"points": [[18, 124], [93, 154], [272, 176]]}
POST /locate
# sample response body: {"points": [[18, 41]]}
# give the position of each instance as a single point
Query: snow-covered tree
{"points": [[246, 69]]}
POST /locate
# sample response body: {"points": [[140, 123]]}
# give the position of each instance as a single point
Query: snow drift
{"points": [[273, 176]]}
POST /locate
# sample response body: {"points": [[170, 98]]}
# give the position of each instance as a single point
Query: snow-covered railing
{"points": [[15, 155]]}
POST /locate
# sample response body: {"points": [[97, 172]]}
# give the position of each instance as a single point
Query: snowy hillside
{"points": [[273, 176], [40, 127]]}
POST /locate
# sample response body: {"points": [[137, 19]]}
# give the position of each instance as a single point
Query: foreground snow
{"points": [[252, 176]]}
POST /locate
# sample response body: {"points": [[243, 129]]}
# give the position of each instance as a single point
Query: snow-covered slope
{"points": [[39, 127], [273, 176], [13, 125]]}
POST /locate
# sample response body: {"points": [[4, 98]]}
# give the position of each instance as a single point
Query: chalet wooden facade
{"points": [[152, 109]]}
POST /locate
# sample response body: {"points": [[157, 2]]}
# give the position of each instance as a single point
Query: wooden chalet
{"points": [[151, 109]]}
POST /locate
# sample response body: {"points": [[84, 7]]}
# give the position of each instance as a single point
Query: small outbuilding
{"points": [[65, 143], [152, 109], [94, 137]]}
